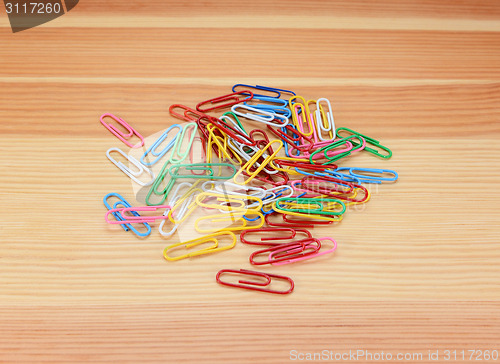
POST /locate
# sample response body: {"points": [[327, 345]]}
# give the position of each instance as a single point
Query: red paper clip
{"points": [[254, 285], [270, 178], [231, 97], [291, 139], [272, 240], [187, 111]]}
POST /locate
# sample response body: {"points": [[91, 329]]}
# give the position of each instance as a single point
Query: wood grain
{"points": [[417, 268]]}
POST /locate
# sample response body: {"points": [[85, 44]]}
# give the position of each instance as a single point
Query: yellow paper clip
{"points": [[230, 218], [189, 209], [222, 147], [288, 169], [311, 216], [214, 248], [227, 201], [248, 165], [298, 121]]}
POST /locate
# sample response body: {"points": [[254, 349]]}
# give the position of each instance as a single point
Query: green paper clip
{"points": [[336, 144], [208, 167], [371, 141], [311, 203]]}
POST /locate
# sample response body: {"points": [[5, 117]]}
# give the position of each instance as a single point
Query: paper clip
{"points": [[135, 217], [232, 131], [259, 115], [315, 206], [189, 209], [276, 91], [269, 103], [298, 120], [118, 133], [304, 222], [227, 187], [273, 194], [208, 167], [153, 148], [248, 165], [246, 153], [220, 146], [271, 238], [370, 141], [182, 210], [177, 156], [159, 180], [254, 285], [232, 218], [339, 154], [129, 225], [186, 114], [132, 174], [118, 216], [373, 175], [228, 201], [324, 123], [294, 256], [305, 217], [231, 117], [232, 98], [211, 238], [297, 249]]}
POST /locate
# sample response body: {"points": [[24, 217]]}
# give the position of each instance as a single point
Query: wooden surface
{"points": [[417, 269]]}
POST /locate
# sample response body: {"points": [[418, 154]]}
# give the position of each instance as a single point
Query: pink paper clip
{"points": [[298, 258], [286, 252], [118, 133], [127, 218]]}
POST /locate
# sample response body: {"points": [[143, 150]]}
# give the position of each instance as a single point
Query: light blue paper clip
{"points": [[368, 178], [278, 106], [153, 148]]}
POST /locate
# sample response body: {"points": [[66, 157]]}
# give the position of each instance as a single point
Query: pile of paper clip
{"points": [[282, 174]]}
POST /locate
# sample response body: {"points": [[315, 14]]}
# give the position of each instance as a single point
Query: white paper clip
{"points": [[262, 116], [182, 209], [132, 174], [320, 122]]}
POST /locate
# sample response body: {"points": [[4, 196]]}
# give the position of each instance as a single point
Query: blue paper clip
{"points": [[115, 214], [368, 178], [153, 148], [270, 102], [119, 217], [277, 91]]}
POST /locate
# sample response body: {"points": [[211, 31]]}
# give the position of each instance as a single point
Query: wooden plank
{"points": [[383, 111], [202, 52], [244, 332]]}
